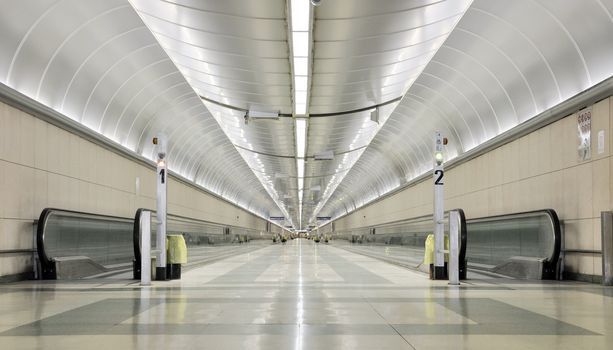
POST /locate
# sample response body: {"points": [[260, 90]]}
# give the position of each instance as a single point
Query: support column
{"points": [[439, 211], [145, 248], [162, 177]]}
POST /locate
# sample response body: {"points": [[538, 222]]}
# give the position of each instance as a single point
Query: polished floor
{"points": [[302, 295]]}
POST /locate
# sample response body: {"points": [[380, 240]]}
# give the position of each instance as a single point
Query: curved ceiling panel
{"points": [[470, 69], [365, 54], [237, 54], [504, 63], [97, 63]]}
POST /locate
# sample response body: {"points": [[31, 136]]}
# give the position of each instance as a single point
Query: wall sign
{"points": [[584, 131], [601, 142]]}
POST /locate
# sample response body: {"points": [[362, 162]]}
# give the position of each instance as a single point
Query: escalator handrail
{"points": [[462, 227], [407, 221], [553, 220], [47, 263], [463, 242], [199, 221]]}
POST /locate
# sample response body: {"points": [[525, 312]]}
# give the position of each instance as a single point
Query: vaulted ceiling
{"points": [[199, 71]]}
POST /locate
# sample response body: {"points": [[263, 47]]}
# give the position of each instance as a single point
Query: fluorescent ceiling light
{"points": [[301, 108], [301, 83], [300, 44], [301, 97], [301, 66], [300, 138], [300, 166], [300, 15], [300, 25]]}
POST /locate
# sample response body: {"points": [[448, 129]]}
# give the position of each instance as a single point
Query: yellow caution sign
{"points": [[177, 250], [429, 252]]}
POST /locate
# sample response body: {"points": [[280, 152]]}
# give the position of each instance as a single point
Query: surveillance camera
{"points": [[316, 2]]}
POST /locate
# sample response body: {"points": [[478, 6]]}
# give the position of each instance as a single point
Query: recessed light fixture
{"points": [[325, 155], [253, 114]]}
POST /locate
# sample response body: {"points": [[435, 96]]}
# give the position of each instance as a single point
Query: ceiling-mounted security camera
{"points": [[316, 2]]}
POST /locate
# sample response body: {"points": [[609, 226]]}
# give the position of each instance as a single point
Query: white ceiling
{"points": [[471, 69]]}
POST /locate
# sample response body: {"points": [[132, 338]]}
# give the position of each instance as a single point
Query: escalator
{"points": [[76, 245], [521, 245]]}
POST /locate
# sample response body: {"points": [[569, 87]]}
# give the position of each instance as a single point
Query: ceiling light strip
{"points": [[300, 27], [301, 125], [301, 42]]}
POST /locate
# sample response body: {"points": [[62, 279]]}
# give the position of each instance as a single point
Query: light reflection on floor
{"points": [[305, 296]]}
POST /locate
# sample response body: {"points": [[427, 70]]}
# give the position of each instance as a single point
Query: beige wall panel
{"points": [[496, 171], [528, 166], [3, 203], [18, 191], [569, 208], [40, 191], [583, 190], [543, 151], [601, 191], [12, 265], [15, 234], [597, 265], [510, 154], [43, 166], [578, 234], [41, 144], [25, 144], [556, 137], [9, 131], [537, 171]]}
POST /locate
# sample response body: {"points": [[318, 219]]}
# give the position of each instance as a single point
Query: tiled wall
{"points": [[43, 166], [539, 170]]}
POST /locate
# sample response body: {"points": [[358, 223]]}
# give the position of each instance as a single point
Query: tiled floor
{"points": [[305, 296]]}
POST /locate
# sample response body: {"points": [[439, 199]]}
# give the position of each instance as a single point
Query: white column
{"points": [[439, 214], [162, 177], [145, 248]]}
